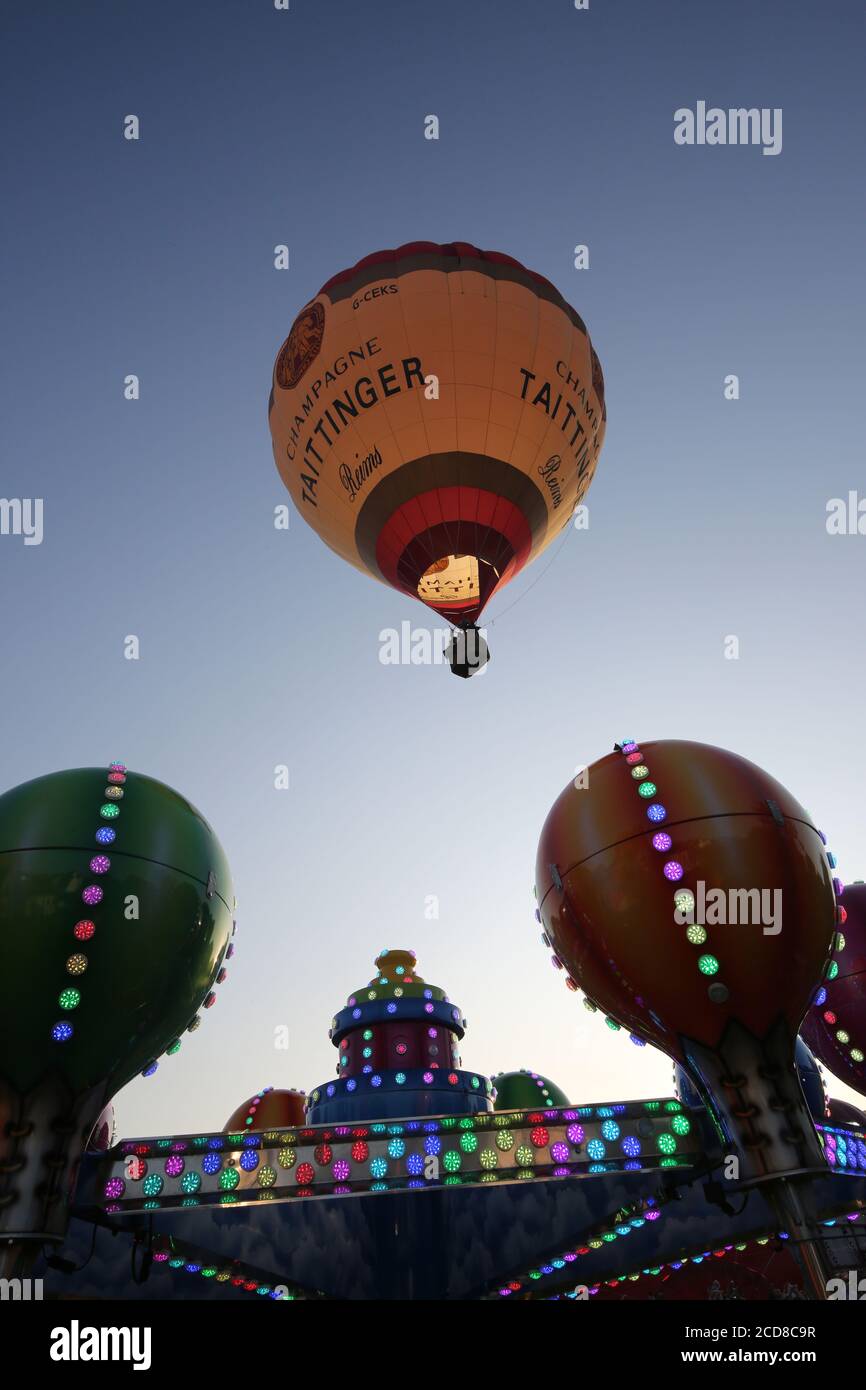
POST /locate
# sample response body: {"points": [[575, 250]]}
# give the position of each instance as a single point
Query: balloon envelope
{"points": [[437, 412]]}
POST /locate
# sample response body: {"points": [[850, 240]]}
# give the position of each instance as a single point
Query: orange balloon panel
{"points": [[437, 413]]}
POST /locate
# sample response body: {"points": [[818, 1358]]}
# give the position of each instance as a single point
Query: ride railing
{"points": [[140, 1175]]}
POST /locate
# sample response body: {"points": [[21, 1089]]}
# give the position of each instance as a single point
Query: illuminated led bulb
{"points": [[647, 789], [76, 964], [69, 999], [708, 965], [641, 770], [696, 934]]}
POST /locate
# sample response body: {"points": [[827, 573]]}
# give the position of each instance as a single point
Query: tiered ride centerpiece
{"points": [[398, 1043]]}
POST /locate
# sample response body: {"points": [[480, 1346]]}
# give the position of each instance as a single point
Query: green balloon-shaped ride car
{"points": [[116, 912]]}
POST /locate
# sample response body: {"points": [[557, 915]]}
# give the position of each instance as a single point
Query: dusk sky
{"points": [[260, 647]]}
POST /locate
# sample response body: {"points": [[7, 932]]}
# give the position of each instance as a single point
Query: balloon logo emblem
{"points": [[301, 348]]}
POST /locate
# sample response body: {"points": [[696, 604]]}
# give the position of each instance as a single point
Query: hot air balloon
{"points": [[437, 413], [268, 1109], [116, 905], [661, 886], [835, 1024]]}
